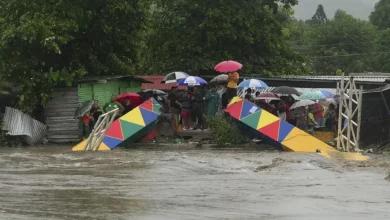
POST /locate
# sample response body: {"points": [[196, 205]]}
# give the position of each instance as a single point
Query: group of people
{"points": [[191, 106], [90, 118], [305, 118]]}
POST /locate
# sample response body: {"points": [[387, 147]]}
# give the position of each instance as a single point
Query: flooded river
{"points": [[54, 183]]}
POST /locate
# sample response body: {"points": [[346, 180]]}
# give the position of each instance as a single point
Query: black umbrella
{"points": [[84, 108], [286, 90]]}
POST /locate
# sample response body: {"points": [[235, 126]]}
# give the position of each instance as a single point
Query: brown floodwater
{"points": [[55, 183]]}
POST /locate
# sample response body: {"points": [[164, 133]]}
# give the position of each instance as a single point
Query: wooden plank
{"points": [[72, 106], [69, 95], [59, 114], [52, 133], [59, 101], [62, 141], [62, 129], [64, 136]]}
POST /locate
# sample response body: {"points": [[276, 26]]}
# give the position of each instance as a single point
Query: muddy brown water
{"points": [[54, 183]]}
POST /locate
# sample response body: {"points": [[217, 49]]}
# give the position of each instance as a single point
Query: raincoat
{"points": [[212, 99]]}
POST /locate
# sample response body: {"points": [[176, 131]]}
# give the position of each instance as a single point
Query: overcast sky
{"points": [[358, 8]]}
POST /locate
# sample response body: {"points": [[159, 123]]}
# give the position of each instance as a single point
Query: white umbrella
{"points": [[173, 77], [302, 103]]}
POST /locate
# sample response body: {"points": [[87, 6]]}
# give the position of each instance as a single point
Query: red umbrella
{"points": [[228, 66], [135, 99], [267, 96]]}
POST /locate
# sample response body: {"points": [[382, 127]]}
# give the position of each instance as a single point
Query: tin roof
{"points": [[97, 78], [366, 78], [156, 83]]}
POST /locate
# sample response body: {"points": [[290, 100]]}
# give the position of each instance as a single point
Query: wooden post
{"points": [[340, 89], [359, 117]]}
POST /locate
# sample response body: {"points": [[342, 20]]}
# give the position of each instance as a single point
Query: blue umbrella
{"points": [[253, 83], [327, 94], [192, 81]]}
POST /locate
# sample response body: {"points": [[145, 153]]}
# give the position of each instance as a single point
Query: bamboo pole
{"points": [[340, 88], [349, 110], [359, 119]]}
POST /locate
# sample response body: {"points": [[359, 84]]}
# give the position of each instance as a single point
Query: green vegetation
{"points": [[227, 132], [45, 43]]}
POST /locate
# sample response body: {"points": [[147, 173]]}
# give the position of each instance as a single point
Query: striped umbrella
{"points": [[253, 83], [173, 77]]}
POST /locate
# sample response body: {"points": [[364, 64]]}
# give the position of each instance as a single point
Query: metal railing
{"points": [[100, 129]]}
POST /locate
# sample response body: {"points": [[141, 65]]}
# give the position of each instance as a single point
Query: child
{"points": [[86, 119]]}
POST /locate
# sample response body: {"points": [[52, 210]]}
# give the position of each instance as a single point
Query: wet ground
{"points": [[54, 183]]}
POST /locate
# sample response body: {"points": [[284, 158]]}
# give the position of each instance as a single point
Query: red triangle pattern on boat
{"points": [[148, 104], [271, 130], [235, 110], [115, 130]]}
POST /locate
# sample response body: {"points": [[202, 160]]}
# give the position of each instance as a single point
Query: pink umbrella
{"points": [[267, 96], [228, 66]]}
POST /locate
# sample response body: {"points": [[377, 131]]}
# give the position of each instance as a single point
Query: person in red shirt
{"points": [[319, 114], [86, 119]]}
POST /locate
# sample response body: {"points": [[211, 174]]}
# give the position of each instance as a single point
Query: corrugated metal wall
{"points": [[103, 91], [59, 112], [85, 92], [130, 86]]}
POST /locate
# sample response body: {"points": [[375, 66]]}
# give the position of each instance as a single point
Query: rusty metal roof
{"points": [[156, 83]]}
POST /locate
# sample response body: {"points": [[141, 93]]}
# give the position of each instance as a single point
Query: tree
{"points": [[195, 35], [382, 58], [319, 18], [46, 42], [344, 43], [380, 17]]}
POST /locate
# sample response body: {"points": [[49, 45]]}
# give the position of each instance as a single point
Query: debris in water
{"points": [[388, 177]]}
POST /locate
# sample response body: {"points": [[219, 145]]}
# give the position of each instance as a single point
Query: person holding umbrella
{"points": [[231, 67], [197, 108], [231, 90], [113, 104]]}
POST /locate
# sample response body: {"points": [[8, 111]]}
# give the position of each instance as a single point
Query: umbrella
{"points": [[173, 77], [267, 96], [228, 66], [312, 96], [302, 103], [253, 83], [327, 94], [155, 91], [286, 90], [220, 79], [83, 108], [135, 99], [192, 81]]}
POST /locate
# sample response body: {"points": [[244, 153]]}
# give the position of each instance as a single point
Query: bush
{"points": [[3, 137], [226, 131]]}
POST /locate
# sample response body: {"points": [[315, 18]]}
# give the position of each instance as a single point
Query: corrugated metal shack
{"points": [[375, 123], [60, 110]]}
